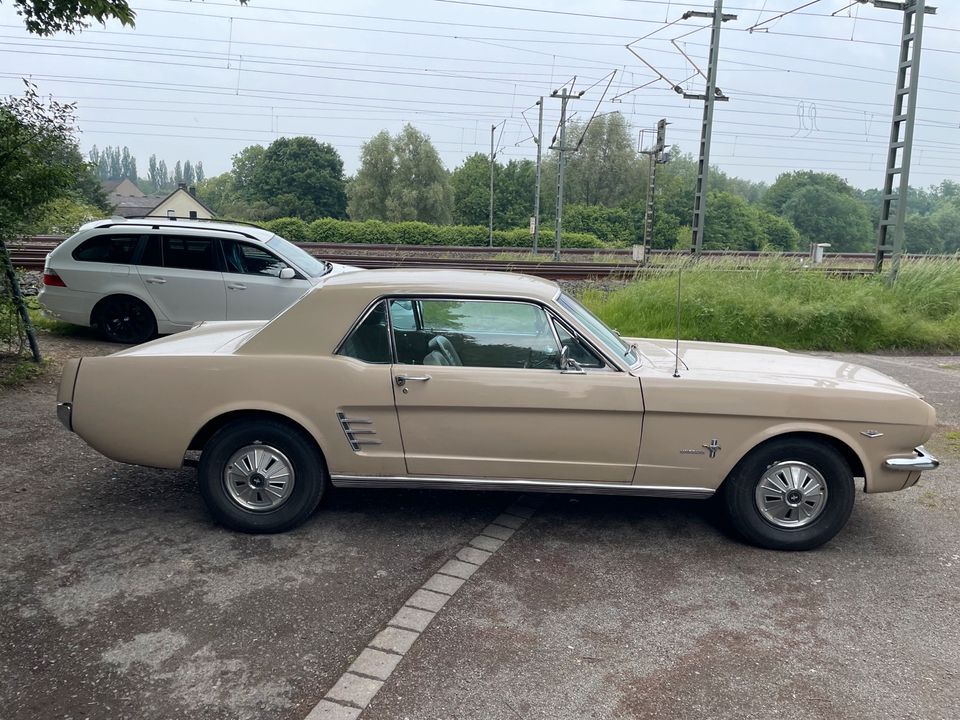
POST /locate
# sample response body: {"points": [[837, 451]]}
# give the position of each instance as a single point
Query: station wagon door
{"points": [[479, 394]]}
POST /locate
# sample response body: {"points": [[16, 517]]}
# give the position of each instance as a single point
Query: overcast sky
{"points": [[203, 79]]}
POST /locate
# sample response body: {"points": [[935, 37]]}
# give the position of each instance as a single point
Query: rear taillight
{"points": [[51, 279]]}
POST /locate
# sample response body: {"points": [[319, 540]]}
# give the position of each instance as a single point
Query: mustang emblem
{"points": [[713, 448]]}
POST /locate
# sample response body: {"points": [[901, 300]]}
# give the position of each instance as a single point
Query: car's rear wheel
{"points": [[261, 476], [125, 319], [790, 494]]}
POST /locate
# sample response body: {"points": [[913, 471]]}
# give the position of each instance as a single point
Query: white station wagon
{"points": [[134, 278]]}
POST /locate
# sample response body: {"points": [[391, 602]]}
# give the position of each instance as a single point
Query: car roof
{"points": [[252, 232], [423, 281], [317, 322]]}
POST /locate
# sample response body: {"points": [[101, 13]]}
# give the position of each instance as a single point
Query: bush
{"points": [[376, 232]]}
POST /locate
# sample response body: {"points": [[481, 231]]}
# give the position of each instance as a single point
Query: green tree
{"points": [[731, 224], [46, 17], [788, 184], [922, 235], [369, 191], [245, 164], [189, 177], [823, 215], [301, 178], [606, 169], [39, 162], [198, 169], [514, 183], [471, 190], [417, 185]]}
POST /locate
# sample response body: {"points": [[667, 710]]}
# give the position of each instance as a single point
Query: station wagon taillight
{"points": [[52, 279]]}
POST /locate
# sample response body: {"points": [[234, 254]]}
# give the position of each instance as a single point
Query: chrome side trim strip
{"points": [[406, 481], [923, 461]]}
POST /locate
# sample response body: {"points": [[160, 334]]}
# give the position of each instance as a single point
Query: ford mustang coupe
{"points": [[495, 381]]}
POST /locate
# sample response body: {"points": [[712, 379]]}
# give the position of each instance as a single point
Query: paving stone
{"points": [[326, 710], [412, 619], [486, 543], [395, 639], [458, 569], [443, 584], [354, 690], [510, 521], [427, 600], [472, 555], [375, 663], [498, 531]]}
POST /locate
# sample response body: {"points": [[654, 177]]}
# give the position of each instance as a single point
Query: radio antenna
{"points": [[676, 354]]}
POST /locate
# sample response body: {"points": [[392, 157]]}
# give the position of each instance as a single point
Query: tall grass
{"points": [[776, 303]]}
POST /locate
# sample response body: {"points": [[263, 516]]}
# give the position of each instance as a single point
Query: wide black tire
{"points": [[308, 471], [739, 495], [125, 319]]}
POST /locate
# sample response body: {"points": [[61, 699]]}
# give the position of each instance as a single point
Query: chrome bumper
{"points": [[65, 413], [923, 461]]}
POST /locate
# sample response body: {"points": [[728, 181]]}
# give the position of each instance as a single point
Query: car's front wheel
{"points": [[125, 319], [790, 494], [261, 476]]}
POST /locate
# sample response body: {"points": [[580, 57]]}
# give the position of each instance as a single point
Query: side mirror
{"points": [[288, 273], [567, 363]]}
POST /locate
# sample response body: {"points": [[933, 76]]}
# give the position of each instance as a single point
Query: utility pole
{"points": [[893, 209], [536, 192], [711, 94], [656, 157], [493, 157], [561, 162]]}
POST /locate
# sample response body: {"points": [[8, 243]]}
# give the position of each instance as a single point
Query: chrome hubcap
{"points": [[259, 478], [791, 494]]}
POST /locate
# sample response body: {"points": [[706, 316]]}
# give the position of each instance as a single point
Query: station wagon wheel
{"points": [[125, 319], [790, 494], [261, 476]]}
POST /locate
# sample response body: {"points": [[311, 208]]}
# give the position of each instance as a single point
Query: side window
{"points": [[479, 333], [107, 249], [402, 315], [189, 253], [248, 259], [369, 340], [578, 351]]}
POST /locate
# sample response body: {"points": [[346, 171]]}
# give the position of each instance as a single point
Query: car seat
{"points": [[442, 346]]}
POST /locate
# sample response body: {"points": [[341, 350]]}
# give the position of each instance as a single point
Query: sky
{"points": [[202, 79]]}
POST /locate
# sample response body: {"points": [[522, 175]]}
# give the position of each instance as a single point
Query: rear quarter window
{"points": [[117, 249]]}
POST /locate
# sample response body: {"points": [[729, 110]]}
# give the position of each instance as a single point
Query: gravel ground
{"points": [[121, 598]]}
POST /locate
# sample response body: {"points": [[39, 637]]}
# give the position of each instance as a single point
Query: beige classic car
{"points": [[495, 381]]}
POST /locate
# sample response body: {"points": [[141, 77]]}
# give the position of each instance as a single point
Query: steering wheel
{"points": [[542, 362]]}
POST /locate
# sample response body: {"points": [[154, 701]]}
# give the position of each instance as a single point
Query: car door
{"points": [[479, 394], [182, 275], [255, 290]]}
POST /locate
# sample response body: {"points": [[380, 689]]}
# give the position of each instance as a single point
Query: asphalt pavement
{"points": [[122, 600]]}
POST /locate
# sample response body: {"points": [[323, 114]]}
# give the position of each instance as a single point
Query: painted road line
{"points": [[354, 690]]}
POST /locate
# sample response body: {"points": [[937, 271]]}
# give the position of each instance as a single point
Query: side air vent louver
{"points": [[358, 431]]}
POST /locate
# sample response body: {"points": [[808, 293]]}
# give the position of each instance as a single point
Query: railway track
{"points": [[30, 254]]}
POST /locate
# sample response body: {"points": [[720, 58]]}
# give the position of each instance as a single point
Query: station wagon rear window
{"points": [[107, 249]]}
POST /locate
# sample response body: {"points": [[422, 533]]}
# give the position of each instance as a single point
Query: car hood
{"points": [[758, 364]]}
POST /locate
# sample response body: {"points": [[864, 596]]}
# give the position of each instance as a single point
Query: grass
{"points": [[953, 440], [774, 303], [16, 370], [44, 323]]}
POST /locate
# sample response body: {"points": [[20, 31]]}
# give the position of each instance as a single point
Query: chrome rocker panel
{"points": [[450, 483]]}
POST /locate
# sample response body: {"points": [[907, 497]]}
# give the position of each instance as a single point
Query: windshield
{"points": [[299, 257], [608, 337]]}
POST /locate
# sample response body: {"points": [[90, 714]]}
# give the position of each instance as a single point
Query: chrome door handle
{"points": [[403, 379], [156, 280], [236, 286]]}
